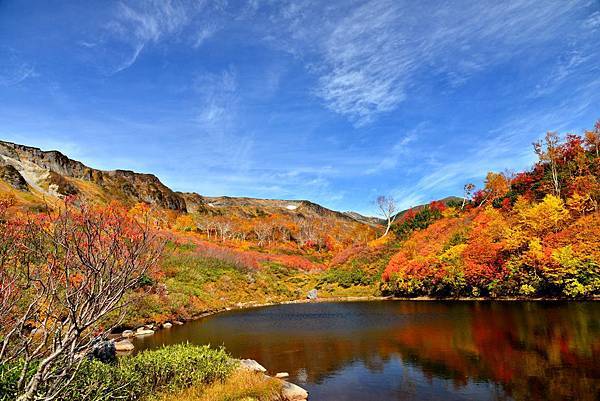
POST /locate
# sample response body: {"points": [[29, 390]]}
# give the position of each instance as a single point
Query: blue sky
{"points": [[336, 102]]}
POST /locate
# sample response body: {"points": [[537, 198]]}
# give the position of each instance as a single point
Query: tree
{"points": [[388, 209], [73, 269], [592, 139], [548, 152], [468, 193]]}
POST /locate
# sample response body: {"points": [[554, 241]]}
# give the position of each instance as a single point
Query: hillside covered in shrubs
{"points": [[530, 234]]}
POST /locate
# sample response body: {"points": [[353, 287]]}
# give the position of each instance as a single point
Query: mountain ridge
{"points": [[52, 173]]}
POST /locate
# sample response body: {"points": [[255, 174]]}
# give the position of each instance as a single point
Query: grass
{"points": [[163, 371], [195, 284], [242, 385]]}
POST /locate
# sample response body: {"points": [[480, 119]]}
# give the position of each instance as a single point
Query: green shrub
{"points": [[136, 377], [347, 278]]}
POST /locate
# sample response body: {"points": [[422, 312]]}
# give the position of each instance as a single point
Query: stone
{"points": [[144, 332], [177, 323], [312, 294], [127, 334], [167, 325], [282, 375], [252, 365], [124, 346], [104, 351], [293, 392]]}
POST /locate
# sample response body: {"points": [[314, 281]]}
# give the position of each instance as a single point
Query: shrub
{"points": [[163, 370]]}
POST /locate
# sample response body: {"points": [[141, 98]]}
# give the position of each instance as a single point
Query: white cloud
{"points": [[136, 24]]}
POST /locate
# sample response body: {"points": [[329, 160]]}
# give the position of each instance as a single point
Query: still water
{"points": [[404, 350]]}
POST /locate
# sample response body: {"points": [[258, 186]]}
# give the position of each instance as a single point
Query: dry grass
{"points": [[242, 385]]}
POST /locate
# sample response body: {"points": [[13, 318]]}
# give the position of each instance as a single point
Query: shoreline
{"points": [[388, 298], [238, 307]]}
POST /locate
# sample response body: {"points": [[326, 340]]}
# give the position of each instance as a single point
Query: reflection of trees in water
{"points": [[535, 351]]}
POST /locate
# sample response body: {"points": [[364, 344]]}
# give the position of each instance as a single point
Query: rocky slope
{"points": [[52, 174]]}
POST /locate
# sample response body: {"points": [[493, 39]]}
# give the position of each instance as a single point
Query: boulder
{"points": [[282, 375], [127, 334], [104, 351], [312, 294], [167, 325], [177, 323], [251, 364], [124, 346], [292, 392], [144, 332]]}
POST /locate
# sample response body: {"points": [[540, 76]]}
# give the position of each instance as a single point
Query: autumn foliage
{"points": [[536, 233]]}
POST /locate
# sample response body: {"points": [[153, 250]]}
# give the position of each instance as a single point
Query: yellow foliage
{"points": [[382, 240], [242, 385], [548, 215], [534, 256], [450, 212], [567, 260], [453, 255], [185, 222], [515, 238], [580, 204]]}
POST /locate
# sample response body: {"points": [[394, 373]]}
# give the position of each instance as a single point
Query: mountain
{"points": [[34, 176]]}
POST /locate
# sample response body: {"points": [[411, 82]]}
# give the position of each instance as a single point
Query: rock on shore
{"points": [[289, 391]]}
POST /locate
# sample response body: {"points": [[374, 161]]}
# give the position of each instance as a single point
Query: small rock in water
{"points": [[177, 323], [167, 325], [312, 294], [128, 333], [124, 346], [282, 375], [143, 332], [251, 364], [292, 392]]}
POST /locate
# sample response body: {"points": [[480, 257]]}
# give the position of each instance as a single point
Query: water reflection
{"points": [[416, 350]]}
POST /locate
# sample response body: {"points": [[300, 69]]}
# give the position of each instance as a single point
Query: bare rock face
{"points": [[123, 185], [12, 177], [61, 185]]}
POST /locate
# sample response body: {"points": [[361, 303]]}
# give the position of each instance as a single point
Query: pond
{"points": [[415, 350]]}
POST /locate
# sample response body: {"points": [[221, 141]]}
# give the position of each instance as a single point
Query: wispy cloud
{"points": [[369, 57], [135, 25], [218, 119], [507, 146], [400, 149], [139, 23], [13, 68]]}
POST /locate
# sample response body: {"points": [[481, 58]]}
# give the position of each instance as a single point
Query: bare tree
{"points": [[74, 267], [467, 195], [388, 209], [262, 230], [224, 226], [548, 151]]}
